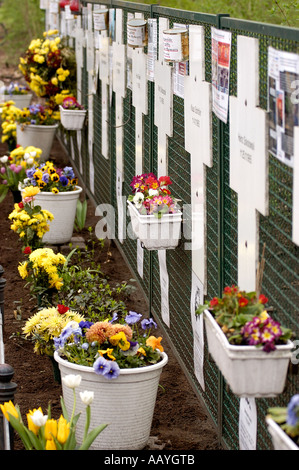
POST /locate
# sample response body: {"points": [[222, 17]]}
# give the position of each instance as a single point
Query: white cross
{"points": [[248, 159], [139, 100], [296, 187], [163, 101], [198, 142], [105, 80], [119, 88]]}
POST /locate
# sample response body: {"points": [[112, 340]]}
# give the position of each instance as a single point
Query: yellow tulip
{"points": [[31, 426], [63, 430], [50, 445], [8, 408], [50, 429]]}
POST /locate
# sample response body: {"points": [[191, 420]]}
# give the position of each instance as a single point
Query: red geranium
{"points": [[62, 308]]}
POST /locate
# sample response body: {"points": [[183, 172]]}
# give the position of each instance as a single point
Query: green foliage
{"points": [[266, 11], [80, 215], [23, 20]]}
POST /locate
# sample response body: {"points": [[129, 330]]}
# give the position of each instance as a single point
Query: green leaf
{"points": [[92, 436]]}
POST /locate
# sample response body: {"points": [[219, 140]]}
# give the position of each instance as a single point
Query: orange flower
{"points": [[155, 343]]}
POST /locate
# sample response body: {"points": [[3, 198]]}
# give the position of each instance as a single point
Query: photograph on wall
{"points": [[283, 103], [221, 49]]}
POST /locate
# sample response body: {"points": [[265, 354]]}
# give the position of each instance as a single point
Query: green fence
{"points": [[281, 276]]}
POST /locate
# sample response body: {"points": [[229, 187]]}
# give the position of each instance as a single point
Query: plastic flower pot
{"points": [[125, 403], [154, 233], [39, 136], [72, 119], [63, 206], [280, 440], [22, 101], [249, 371]]}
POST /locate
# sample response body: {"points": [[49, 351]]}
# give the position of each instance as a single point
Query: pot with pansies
{"points": [[251, 348], [72, 114], [120, 359], [59, 194], [19, 94], [13, 170], [283, 425], [155, 214], [37, 125]]}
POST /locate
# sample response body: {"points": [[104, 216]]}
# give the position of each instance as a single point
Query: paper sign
{"points": [[221, 45], [247, 424]]}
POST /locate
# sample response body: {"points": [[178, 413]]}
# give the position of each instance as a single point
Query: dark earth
{"points": [[180, 421]]}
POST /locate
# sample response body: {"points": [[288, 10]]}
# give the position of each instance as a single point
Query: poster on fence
{"points": [[152, 48], [221, 49], [283, 103]]}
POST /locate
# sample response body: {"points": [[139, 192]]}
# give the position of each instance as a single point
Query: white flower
{"points": [[4, 159], [26, 156], [87, 397], [138, 200], [30, 161], [33, 153], [71, 380], [153, 192], [38, 418]]}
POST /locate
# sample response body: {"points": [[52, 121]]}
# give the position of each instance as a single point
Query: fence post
{"points": [[7, 392]]}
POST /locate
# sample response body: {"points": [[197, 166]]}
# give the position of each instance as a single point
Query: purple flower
{"points": [[293, 411], [146, 324], [114, 317], [113, 372], [30, 172], [3, 170], [45, 177], [69, 172], [132, 317], [64, 180], [101, 366]]}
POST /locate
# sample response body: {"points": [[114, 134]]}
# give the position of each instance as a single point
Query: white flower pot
{"points": [[280, 440], [72, 119], [63, 206], [22, 101], [154, 233], [39, 136], [126, 403], [249, 371]]}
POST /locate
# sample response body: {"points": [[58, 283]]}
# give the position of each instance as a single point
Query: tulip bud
{"points": [[71, 380], [87, 397]]}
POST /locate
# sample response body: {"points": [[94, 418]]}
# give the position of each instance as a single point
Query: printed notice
{"points": [[151, 48], [221, 48], [247, 424], [198, 329], [283, 103]]}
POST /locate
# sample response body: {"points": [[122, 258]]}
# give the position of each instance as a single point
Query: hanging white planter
{"points": [[125, 403], [22, 101], [72, 119], [154, 233], [249, 371], [63, 206], [280, 440], [38, 136]]}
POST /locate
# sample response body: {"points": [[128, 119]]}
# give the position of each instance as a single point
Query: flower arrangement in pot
{"points": [[283, 425], [9, 113], [59, 193], [119, 358], [13, 169], [43, 271], [46, 433], [155, 215], [19, 94], [72, 114], [30, 221], [49, 68], [251, 349], [36, 125]]}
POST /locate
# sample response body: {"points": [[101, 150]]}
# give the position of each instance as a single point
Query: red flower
{"points": [[227, 290], [27, 250], [164, 180], [21, 205], [214, 302], [243, 301], [263, 299], [62, 308]]}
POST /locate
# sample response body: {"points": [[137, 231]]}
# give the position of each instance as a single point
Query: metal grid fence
{"points": [[281, 277]]}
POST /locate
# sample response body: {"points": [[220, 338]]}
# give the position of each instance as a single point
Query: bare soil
{"points": [[180, 422]]}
